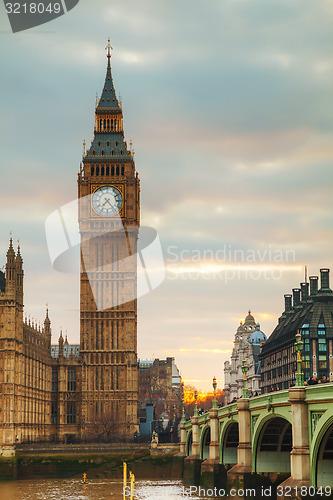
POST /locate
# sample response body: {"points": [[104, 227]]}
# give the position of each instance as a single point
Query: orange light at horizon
{"points": [[202, 396]]}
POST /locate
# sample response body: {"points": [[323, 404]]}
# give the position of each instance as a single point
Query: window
{"points": [[92, 170], [121, 152], [93, 152], [279, 371], [274, 373], [321, 329], [306, 345], [117, 170], [71, 412], [71, 379], [117, 143], [102, 152], [107, 170], [102, 170], [108, 143], [122, 170], [322, 347], [54, 379], [99, 144], [97, 170], [112, 170], [112, 152], [54, 411]]}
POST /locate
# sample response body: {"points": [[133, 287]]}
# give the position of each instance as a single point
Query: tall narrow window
{"points": [[107, 170], [102, 170]]}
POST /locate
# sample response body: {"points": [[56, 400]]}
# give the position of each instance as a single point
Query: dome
{"points": [[249, 320], [257, 336]]}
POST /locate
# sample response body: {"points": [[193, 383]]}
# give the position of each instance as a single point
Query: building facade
{"points": [[247, 344], [311, 315], [88, 391]]}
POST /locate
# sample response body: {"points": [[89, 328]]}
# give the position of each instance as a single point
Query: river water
{"points": [[97, 489]]}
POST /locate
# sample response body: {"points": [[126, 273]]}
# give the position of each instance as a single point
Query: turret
{"points": [[19, 276], [10, 272], [61, 345], [47, 329]]}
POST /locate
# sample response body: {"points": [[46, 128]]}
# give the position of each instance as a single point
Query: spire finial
{"points": [[109, 48]]}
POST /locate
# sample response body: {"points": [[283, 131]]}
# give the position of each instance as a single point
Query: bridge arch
{"points": [[272, 444], [321, 451], [204, 442], [189, 440], [229, 440]]}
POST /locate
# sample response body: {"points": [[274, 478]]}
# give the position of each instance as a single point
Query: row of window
{"points": [[107, 170], [71, 379], [103, 152]]}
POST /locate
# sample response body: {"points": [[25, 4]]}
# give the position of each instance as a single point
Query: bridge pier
{"points": [[182, 448], [300, 454], [192, 463], [241, 475], [213, 474]]}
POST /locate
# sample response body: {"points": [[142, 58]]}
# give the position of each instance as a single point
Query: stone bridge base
{"points": [[213, 474], [192, 470]]}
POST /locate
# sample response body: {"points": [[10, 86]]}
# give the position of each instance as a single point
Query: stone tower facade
{"points": [[108, 191]]}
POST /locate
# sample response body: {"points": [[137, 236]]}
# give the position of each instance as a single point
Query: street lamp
{"points": [[214, 387], [195, 403], [245, 389], [298, 349]]}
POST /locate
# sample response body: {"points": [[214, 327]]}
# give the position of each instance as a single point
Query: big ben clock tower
{"points": [[108, 191]]}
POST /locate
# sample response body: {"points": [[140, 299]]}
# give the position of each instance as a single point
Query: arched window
{"points": [[101, 125], [102, 152], [108, 143], [102, 170], [112, 152], [111, 125], [112, 170], [92, 171], [117, 170], [93, 152], [104, 124], [122, 171], [99, 144], [97, 170], [121, 152], [107, 170], [117, 143], [108, 125]]}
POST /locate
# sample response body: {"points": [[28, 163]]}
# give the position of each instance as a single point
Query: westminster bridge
{"points": [[286, 435]]}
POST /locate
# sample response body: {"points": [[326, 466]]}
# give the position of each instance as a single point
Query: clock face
{"points": [[107, 200]]}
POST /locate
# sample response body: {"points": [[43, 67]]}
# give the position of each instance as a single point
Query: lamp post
{"points": [[214, 387], [195, 403], [298, 349], [245, 389]]}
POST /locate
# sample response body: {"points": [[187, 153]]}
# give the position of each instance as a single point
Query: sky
{"points": [[228, 104]]}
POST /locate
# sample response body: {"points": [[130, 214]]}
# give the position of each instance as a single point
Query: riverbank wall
{"points": [[96, 460]]}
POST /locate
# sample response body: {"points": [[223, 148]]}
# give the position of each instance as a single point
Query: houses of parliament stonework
{"points": [[63, 392]]}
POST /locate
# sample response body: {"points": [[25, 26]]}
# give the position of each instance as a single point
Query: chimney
{"points": [[325, 279], [287, 302], [313, 285], [296, 297], [304, 291]]}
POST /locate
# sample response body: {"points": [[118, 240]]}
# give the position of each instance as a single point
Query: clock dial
{"points": [[107, 200]]}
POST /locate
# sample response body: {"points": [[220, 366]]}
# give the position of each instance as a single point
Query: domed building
{"points": [[248, 341]]}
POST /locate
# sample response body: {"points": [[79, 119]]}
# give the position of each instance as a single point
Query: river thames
{"points": [[96, 489]]}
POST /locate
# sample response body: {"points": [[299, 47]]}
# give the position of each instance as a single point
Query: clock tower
{"points": [[108, 192]]}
